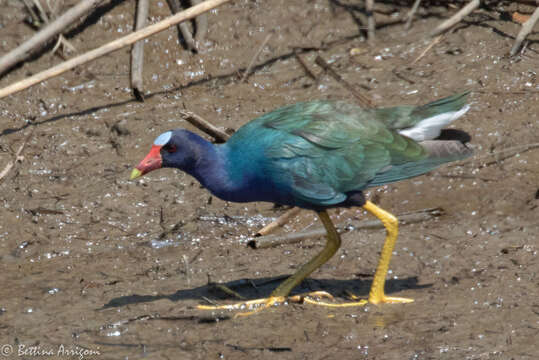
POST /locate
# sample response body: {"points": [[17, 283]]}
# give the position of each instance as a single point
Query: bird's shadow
{"points": [[262, 287]]}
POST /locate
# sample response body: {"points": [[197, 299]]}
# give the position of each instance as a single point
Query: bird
{"points": [[318, 155]]}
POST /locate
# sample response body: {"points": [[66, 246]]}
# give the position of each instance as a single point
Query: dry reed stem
{"points": [[453, 20], [137, 51], [112, 46], [527, 28], [54, 28]]}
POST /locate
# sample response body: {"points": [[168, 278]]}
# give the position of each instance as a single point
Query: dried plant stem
{"points": [[411, 14], [280, 221], [201, 22], [361, 99], [251, 64], [371, 22], [226, 290], [183, 28], [408, 218], [42, 17], [434, 41], [18, 156], [466, 10], [527, 27], [498, 155], [203, 125], [137, 52], [112, 46], [54, 28], [304, 66]]}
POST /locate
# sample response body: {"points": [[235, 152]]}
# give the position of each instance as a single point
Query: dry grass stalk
{"points": [[112, 46], [455, 19], [137, 51]]}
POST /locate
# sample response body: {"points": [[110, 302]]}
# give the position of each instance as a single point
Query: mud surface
{"points": [[91, 261]]}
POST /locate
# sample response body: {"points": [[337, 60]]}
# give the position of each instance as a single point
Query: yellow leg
{"points": [[377, 294], [279, 295], [332, 245]]}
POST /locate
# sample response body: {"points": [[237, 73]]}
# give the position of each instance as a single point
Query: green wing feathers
{"points": [[331, 148]]}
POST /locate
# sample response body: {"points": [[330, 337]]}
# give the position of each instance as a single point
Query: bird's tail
{"points": [[443, 151], [432, 117], [438, 152]]}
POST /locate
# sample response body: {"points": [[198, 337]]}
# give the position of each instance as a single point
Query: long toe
{"points": [[261, 304], [336, 305], [252, 305], [391, 300]]}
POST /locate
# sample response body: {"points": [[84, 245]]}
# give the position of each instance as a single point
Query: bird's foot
{"points": [[381, 299], [389, 300], [253, 306], [261, 304], [356, 302], [258, 305]]}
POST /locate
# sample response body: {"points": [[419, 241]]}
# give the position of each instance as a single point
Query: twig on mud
{"points": [[398, 74], [18, 156], [45, 19], [137, 51], [63, 41], [407, 218], [434, 41], [514, 92], [280, 221], [411, 14], [371, 22], [226, 290], [36, 20], [201, 23], [112, 46], [527, 27], [223, 288], [245, 349], [361, 99], [183, 27], [499, 155], [187, 269], [40, 38], [250, 67], [193, 259], [204, 125], [42, 12], [467, 177], [513, 151], [256, 283], [466, 10], [304, 66], [210, 301], [290, 238]]}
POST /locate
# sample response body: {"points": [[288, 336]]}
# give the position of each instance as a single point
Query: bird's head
{"points": [[170, 149]]}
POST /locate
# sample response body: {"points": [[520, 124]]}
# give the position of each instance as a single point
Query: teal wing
{"points": [[326, 149]]}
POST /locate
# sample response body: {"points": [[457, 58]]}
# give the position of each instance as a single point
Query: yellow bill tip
{"points": [[135, 174]]}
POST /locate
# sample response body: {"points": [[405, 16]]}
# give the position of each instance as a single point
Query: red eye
{"points": [[170, 148]]}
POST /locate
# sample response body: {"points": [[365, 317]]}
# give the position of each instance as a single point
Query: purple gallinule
{"points": [[318, 155]]}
